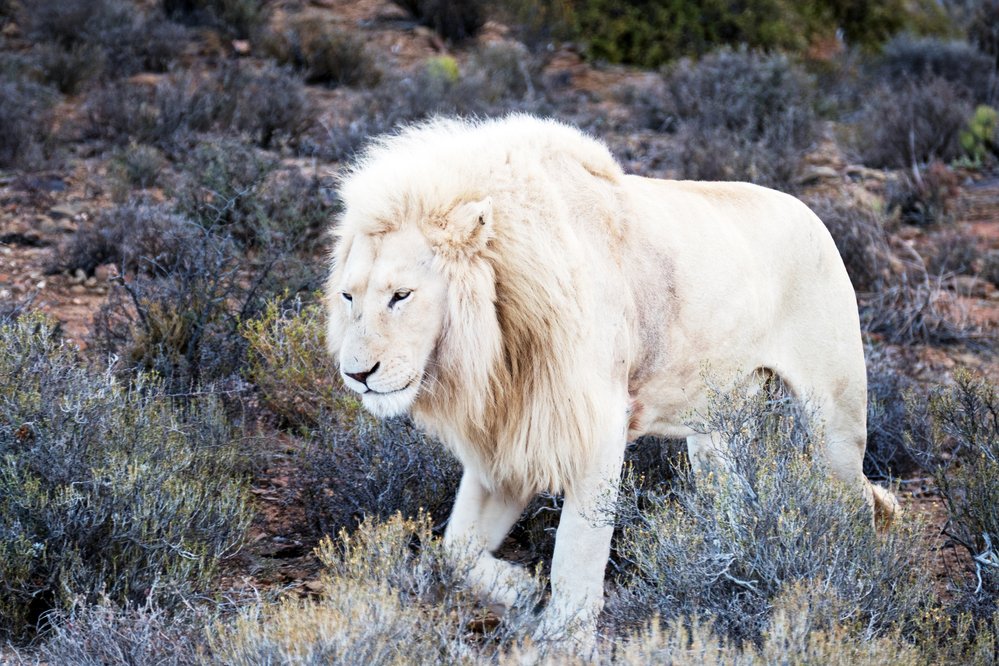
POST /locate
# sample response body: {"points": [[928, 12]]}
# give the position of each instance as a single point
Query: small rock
{"points": [[815, 173], [969, 285], [90, 282], [77, 289], [241, 47], [104, 272], [41, 285], [64, 211]]}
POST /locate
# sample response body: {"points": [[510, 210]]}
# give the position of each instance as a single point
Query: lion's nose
{"points": [[363, 376]]}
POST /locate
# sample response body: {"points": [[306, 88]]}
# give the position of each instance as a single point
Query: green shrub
{"points": [[290, 366], [980, 138], [727, 543], [105, 489], [391, 596], [650, 34], [743, 116]]}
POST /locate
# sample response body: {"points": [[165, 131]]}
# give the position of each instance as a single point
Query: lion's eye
{"points": [[400, 295], [347, 297]]}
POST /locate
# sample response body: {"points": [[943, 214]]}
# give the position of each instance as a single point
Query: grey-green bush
{"points": [[356, 467], [136, 237], [965, 420], [107, 634], [106, 489], [725, 544], [25, 123], [742, 115], [909, 122]]}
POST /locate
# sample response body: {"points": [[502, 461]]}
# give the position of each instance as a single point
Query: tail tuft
{"points": [[886, 507]]}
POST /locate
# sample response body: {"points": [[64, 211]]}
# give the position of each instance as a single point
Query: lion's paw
{"points": [[502, 583]]}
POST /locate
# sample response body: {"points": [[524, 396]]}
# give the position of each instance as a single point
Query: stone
{"points": [[64, 211]]}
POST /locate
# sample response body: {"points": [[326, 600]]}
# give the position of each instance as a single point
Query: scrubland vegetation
{"points": [[194, 145]]}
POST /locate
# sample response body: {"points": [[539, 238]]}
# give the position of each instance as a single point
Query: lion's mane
{"points": [[506, 389]]}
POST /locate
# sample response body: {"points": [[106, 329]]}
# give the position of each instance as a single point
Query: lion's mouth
{"points": [[392, 392]]}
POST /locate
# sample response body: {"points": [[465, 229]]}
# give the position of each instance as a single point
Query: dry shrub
{"points": [[807, 626], [324, 53], [453, 20], [862, 240], [924, 196], [954, 252], [743, 116], [916, 309], [238, 18], [907, 122], [907, 57], [391, 596], [25, 122], [105, 634], [965, 420], [268, 104], [184, 324], [727, 543], [84, 39], [498, 79], [356, 467], [229, 185], [894, 412], [136, 237]]}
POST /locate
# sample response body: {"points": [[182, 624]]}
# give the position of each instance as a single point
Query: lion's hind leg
{"points": [[843, 415]]}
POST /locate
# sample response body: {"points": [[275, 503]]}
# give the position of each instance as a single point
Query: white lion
{"points": [[535, 308]]}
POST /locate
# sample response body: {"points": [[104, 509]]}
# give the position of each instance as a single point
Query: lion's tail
{"points": [[886, 507]]}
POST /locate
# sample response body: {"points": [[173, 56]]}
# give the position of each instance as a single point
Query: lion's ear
{"points": [[466, 229]]}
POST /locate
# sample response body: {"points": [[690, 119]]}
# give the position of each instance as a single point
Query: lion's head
{"points": [[455, 293], [390, 301]]}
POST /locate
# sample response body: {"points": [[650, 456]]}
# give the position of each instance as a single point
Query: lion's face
{"points": [[392, 308]]}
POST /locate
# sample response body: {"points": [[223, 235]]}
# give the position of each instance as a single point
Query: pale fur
{"points": [[550, 308]]}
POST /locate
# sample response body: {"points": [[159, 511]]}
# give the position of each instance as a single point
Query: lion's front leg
{"points": [[582, 548], [479, 522]]}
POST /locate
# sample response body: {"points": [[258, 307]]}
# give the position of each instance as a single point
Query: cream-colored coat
{"points": [[535, 308]]}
